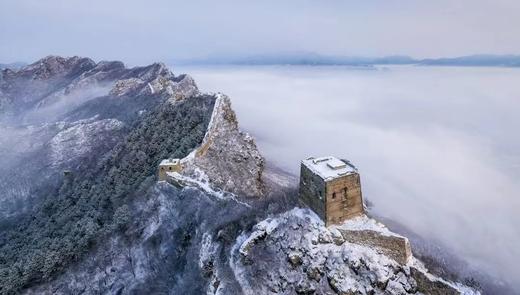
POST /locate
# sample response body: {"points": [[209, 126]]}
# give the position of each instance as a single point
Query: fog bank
{"points": [[437, 148]]}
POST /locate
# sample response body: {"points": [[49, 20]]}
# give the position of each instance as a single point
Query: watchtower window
{"points": [[333, 196], [169, 168]]}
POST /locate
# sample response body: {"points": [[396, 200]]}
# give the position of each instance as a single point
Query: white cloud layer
{"points": [[437, 148]]}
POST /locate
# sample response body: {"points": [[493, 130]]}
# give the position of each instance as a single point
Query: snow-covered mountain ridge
{"points": [[106, 226], [65, 113]]}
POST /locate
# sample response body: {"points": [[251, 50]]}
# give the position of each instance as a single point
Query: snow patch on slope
{"points": [[81, 138]]}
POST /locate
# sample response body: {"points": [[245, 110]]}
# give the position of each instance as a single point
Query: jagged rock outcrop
{"points": [[152, 80], [63, 84], [53, 67], [25, 87], [228, 157]]}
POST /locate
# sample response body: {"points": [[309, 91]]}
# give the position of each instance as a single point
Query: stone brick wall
{"points": [[168, 168], [426, 285], [344, 199], [312, 191], [395, 247]]}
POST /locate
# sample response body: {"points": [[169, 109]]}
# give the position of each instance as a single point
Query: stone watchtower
{"points": [[168, 165], [331, 187]]}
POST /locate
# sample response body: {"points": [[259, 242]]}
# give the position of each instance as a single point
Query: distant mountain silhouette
{"points": [[325, 60]]}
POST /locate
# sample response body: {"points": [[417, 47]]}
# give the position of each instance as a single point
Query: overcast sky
{"points": [[144, 31]]}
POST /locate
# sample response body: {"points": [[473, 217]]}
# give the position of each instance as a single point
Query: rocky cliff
{"points": [[106, 226], [228, 158]]}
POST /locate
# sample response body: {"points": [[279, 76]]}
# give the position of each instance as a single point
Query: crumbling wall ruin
{"points": [[393, 246]]}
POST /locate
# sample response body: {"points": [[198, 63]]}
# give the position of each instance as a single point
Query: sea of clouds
{"points": [[437, 147]]}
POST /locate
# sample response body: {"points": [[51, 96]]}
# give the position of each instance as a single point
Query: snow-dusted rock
{"points": [[185, 87], [82, 139], [72, 81], [28, 86], [228, 156], [126, 86], [176, 89], [52, 67], [283, 257]]}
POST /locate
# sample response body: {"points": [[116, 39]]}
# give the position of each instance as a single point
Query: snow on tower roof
{"points": [[329, 167], [169, 162]]}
